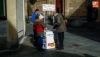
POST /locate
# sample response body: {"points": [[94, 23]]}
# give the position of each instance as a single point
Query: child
{"points": [[39, 26]]}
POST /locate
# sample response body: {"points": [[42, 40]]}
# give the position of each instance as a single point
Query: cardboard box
{"points": [[48, 41]]}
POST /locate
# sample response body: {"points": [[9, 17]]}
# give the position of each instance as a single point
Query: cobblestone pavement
{"points": [[82, 41], [78, 42], [27, 51]]}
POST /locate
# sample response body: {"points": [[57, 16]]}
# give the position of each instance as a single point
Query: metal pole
{"points": [[24, 29], [44, 17], [49, 3]]}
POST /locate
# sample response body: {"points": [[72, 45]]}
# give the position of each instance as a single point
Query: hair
{"points": [[37, 17], [36, 10]]}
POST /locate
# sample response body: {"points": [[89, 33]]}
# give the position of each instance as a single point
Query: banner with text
{"points": [[48, 7]]}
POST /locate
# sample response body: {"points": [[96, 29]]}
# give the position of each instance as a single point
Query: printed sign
{"points": [[48, 7], [95, 4], [51, 44], [48, 42]]}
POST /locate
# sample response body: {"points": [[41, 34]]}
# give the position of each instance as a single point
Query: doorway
{"points": [[59, 6], [92, 13]]}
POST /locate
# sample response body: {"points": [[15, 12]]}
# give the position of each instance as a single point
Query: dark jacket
{"points": [[34, 15], [59, 24]]}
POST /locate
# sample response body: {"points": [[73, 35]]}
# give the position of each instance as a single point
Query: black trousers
{"points": [[39, 42], [60, 39], [35, 38], [35, 34]]}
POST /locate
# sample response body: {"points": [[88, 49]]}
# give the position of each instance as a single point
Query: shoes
{"points": [[40, 49], [59, 48]]}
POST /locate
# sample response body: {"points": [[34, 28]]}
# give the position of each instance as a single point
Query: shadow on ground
{"points": [[86, 55], [26, 51], [32, 40], [3, 33], [3, 43], [93, 34]]}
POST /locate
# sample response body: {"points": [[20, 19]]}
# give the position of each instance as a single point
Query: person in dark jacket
{"points": [[34, 15], [60, 27], [39, 26]]}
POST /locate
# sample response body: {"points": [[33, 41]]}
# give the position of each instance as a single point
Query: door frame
{"points": [[59, 8]]}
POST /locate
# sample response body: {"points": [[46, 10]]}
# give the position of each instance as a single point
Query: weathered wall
{"points": [[38, 5], [31, 8], [19, 16], [51, 2], [75, 8], [15, 23], [71, 8], [12, 36], [25, 7]]}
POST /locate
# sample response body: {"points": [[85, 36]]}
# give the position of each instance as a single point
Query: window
{"points": [[1, 8]]}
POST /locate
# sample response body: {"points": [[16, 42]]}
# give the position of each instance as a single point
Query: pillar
{"points": [[12, 36], [16, 26]]}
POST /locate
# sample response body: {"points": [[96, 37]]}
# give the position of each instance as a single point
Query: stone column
{"points": [[12, 36]]}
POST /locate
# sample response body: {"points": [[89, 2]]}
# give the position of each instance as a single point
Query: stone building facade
{"points": [[70, 8]]}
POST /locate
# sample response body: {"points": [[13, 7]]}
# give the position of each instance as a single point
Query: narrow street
{"points": [[82, 38], [79, 42]]}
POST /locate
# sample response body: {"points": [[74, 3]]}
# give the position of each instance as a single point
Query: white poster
{"points": [[48, 7]]}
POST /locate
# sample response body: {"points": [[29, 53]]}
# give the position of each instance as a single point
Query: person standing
{"points": [[39, 26], [34, 15], [60, 27]]}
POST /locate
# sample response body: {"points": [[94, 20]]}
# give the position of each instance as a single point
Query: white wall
{"points": [[20, 17]]}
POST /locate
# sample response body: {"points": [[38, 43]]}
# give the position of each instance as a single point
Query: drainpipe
{"points": [[24, 18]]}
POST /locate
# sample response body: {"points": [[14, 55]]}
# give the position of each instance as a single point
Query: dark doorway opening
{"points": [[92, 13], [59, 6]]}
